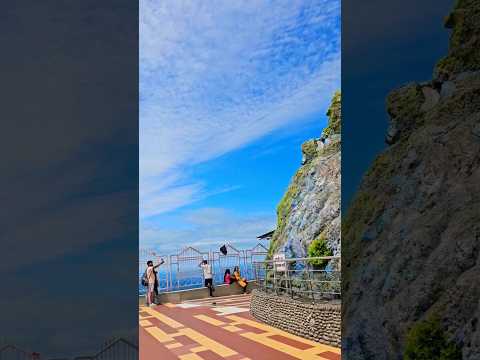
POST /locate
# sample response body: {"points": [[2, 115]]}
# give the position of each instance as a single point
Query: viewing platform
{"points": [[292, 309], [219, 328]]}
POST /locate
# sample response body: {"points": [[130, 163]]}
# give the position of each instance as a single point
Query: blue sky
{"points": [[410, 45], [228, 92]]}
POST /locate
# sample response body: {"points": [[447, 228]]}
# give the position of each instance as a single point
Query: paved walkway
{"points": [[219, 328]]}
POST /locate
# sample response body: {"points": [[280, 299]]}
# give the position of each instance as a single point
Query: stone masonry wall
{"points": [[317, 322]]}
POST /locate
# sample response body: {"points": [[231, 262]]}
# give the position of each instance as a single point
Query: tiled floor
{"points": [[197, 330]]}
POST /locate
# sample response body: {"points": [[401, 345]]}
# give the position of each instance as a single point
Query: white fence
{"points": [[181, 271]]}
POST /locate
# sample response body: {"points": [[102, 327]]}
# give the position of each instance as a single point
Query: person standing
{"points": [[150, 279], [207, 275]]}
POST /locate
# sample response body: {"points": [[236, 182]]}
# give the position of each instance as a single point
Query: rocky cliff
{"points": [[411, 238], [310, 209]]}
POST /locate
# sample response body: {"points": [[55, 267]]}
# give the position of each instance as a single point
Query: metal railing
{"points": [[314, 279], [11, 352], [116, 349], [119, 349], [180, 271]]}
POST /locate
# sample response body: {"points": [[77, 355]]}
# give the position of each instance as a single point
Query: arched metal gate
{"points": [[181, 271]]}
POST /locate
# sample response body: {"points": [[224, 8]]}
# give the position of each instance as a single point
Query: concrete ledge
{"points": [[317, 322], [199, 293]]}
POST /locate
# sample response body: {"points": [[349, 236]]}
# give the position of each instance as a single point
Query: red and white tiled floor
{"points": [[219, 328]]}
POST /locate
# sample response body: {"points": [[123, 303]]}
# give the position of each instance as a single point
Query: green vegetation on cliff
{"points": [[426, 340], [285, 206], [334, 125], [311, 150], [319, 248], [463, 21], [405, 233]]}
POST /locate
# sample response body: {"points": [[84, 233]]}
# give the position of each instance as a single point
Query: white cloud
{"points": [[169, 198], [207, 216], [207, 228], [217, 75]]}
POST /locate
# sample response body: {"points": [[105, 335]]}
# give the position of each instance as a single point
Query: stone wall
{"points": [[318, 322]]}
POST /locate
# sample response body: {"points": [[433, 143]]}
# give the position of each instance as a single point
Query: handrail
{"points": [[311, 281], [181, 271], [302, 259], [130, 351]]}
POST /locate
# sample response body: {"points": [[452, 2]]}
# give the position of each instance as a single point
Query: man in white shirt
{"points": [[207, 275]]}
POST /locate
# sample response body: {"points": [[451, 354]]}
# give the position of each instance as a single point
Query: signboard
{"points": [[279, 261]]}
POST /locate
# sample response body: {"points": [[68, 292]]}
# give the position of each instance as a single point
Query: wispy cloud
{"points": [[206, 228], [216, 75], [161, 195]]}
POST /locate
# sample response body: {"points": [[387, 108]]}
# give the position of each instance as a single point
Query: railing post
{"points": [[288, 279], [265, 282], [275, 277], [170, 285], [310, 282], [178, 280]]}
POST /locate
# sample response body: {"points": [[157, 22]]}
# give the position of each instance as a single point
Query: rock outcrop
{"points": [[411, 238], [310, 209]]}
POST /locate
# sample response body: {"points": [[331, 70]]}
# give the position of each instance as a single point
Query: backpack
{"points": [[144, 279]]}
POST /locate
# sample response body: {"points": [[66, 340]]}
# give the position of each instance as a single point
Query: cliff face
{"points": [[310, 209], [411, 239]]}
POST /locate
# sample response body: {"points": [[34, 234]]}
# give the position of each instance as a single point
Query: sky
{"points": [[69, 175], [399, 44], [228, 92], [226, 100]]}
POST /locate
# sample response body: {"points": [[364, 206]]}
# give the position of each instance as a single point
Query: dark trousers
{"points": [[155, 288], [209, 284]]}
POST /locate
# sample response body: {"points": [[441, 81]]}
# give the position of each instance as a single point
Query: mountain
{"points": [[411, 238], [309, 212]]}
